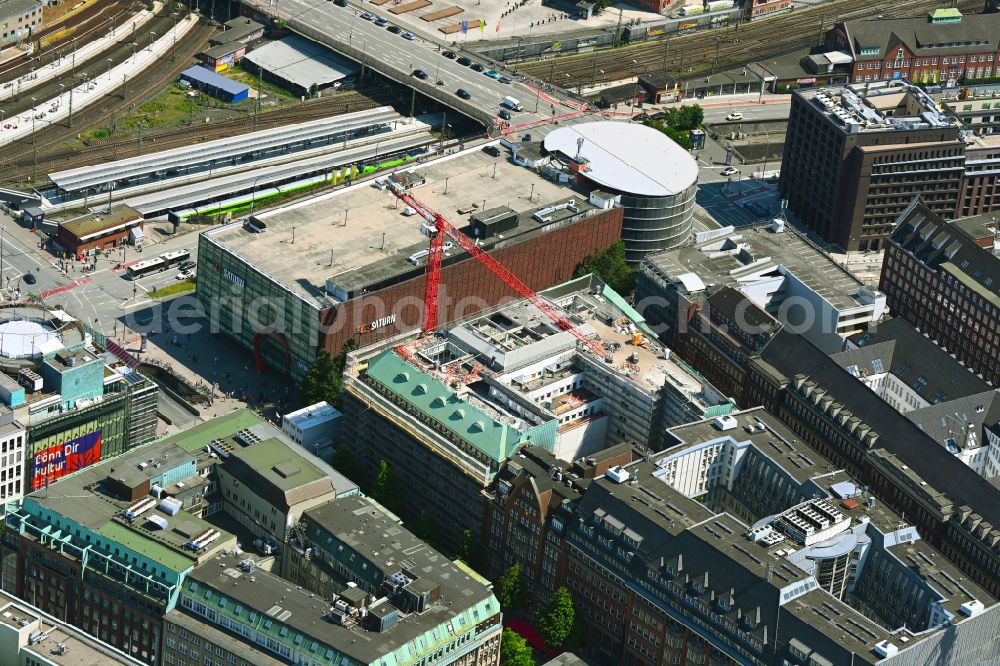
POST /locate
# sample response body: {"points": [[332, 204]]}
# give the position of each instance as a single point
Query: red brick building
{"points": [[245, 282], [528, 514], [95, 233], [943, 48], [936, 276]]}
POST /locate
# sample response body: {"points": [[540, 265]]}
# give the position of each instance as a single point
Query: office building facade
{"points": [[855, 157], [946, 284]]}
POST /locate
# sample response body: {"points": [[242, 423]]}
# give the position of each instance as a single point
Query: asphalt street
{"points": [[104, 297], [344, 24]]}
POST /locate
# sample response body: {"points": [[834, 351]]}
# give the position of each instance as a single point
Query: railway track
{"points": [[689, 55], [144, 86], [114, 148], [85, 27]]}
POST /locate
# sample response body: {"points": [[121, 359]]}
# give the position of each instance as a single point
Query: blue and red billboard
{"points": [[57, 461]]}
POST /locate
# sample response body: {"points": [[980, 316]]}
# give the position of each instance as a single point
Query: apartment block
{"points": [[828, 407], [694, 555], [981, 180], [529, 513], [107, 548]]}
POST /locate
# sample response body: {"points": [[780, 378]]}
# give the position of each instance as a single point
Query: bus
{"points": [[175, 257], [145, 267]]}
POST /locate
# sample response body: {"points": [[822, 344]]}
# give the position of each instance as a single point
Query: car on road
{"points": [[730, 171], [641, 116], [409, 35], [420, 74], [184, 275], [493, 74], [29, 278], [187, 265], [735, 115], [476, 67], [463, 93], [394, 29], [340, 3], [381, 20], [492, 151], [451, 55], [368, 16], [659, 115], [504, 114], [465, 62], [505, 79]]}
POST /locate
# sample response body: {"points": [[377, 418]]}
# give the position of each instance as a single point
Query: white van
{"points": [[512, 104]]}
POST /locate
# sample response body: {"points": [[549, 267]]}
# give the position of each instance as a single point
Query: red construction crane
{"points": [[443, 228]]}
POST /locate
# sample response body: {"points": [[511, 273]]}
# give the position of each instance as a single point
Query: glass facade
{"points": [[654, 224], [280, 328]]}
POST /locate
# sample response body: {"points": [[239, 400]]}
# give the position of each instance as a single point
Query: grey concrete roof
{"points": [[792, 355], [301, 62], [715, 268]]}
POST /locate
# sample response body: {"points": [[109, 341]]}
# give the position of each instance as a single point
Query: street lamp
{"points": [[253, 196]]}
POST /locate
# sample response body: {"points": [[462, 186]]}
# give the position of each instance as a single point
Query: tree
{"points": [[611, 267], [509, 589], [385, 491], [473, 552], [557, 621], [514, 650], [322, 381]]}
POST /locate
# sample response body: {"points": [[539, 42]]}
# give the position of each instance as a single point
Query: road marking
{"points": [[64, 288]]}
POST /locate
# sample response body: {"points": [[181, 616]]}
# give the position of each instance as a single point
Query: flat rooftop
{"points": [[731, 259], [769, 436], [373, 247], [627, 157], [878, 107], [364, 528], [301, 62]]}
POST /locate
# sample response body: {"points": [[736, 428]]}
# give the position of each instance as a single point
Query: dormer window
{"points": [[899, 54]]}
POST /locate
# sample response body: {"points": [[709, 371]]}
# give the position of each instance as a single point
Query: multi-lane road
{"points": [[344, 29]]}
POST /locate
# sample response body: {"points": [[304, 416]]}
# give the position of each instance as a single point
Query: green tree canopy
{"points": [[324, 381], [610, 266], [558, 620], [514, 650], [385, 491], [508, 588]]}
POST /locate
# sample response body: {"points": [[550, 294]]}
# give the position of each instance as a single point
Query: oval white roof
{"points": [[628, 157]]}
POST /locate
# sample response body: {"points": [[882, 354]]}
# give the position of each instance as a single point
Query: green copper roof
{"points": [[946, 14], [148, 548], [438, 402], [199, 436]]}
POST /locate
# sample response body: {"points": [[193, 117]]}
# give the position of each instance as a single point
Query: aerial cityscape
{"points": [[499, 332]]}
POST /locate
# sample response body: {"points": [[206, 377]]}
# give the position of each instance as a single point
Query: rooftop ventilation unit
{"points": [[618, 474], [724, 423]]}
